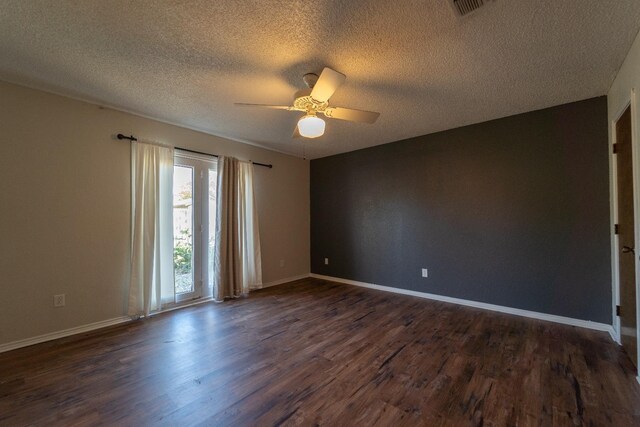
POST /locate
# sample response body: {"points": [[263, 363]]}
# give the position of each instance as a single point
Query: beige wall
{"points": [[624, 92], [65, 208]]}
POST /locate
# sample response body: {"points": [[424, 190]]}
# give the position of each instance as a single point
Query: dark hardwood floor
{"points": [[317, 353]]}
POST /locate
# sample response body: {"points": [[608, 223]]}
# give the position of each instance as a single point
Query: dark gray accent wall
{"points": [[513, 212]]}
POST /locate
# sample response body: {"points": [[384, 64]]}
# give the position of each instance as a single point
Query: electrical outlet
{"points": [[326, 261], [425, 272], [58, 300]]}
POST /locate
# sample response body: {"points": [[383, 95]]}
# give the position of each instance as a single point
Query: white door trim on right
{"points": [[631, 103]]}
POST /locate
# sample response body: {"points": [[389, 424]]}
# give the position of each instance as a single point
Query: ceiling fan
{"points": [[315, 100]]}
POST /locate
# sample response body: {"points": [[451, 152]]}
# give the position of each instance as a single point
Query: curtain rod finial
{"points": [[130, 138]]}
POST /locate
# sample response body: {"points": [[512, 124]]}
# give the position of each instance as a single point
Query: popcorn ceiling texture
{"points": [[414, 61]]}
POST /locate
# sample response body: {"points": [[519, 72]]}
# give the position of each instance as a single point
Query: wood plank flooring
{"points": [[318, 353]]}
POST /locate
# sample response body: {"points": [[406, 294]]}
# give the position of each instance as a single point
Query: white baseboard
{"points": [[110, 322], [61, 334], [617, 337], [281, 281], [492, 307]]}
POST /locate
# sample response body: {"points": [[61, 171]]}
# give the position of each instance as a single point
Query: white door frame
{"points": [[202, 164], [631, 103]]}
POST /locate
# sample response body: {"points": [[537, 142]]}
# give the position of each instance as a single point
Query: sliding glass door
{"points": [[194, 209]]}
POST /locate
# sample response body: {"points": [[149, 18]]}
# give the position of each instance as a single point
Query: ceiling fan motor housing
{"points": [[304, 102]]}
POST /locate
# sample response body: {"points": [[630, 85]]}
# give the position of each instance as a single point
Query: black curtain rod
{"points": [[133, 138]]}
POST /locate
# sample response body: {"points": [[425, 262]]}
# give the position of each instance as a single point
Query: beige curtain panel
{"points": [[237, 257]]}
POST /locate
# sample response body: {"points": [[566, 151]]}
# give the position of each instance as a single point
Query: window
{"points": [[194, 210]]}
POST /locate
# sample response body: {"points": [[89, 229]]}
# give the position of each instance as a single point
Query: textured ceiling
{"points": [[414, 61]]}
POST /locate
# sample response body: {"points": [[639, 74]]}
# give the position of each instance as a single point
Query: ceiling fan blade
{"points": [[327, 84], [351, 114], [296, 133], [276, 107]]}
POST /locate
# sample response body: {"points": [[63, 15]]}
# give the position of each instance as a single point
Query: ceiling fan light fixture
{"points": [[316, 100], [311, 126]]}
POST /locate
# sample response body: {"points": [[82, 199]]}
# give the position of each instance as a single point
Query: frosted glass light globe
{"points": [[311, 126]]}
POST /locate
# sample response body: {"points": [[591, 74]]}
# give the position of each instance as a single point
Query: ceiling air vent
{"points": [[465, 7]]}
